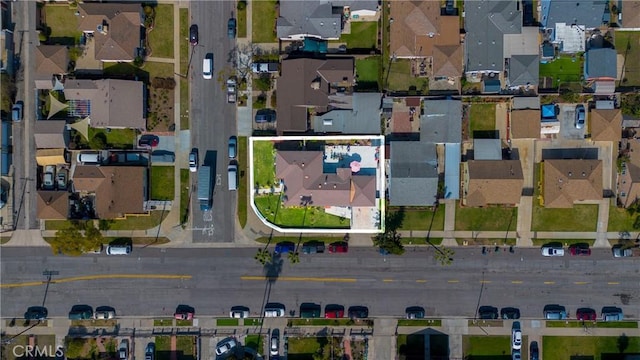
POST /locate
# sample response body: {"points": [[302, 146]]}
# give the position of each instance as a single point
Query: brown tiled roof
{"points": [[52, 205], [114, 103], [306, 83], [606, 125], [121, 37], [303, 177], [447, 60], [634, 151], [629, 184], [50, 134], [118, 190], [568, 181], [631, 14], [50, 60], [401, 122], [494, 182], [525, 124]]}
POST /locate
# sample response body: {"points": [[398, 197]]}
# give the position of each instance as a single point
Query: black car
{"points": [[313, 247], [193, 34], [231, 28], [358, 312], [488, 312], [148, 140], [310, 310], [81, 312], [36, 313], [534, 351], [510, 313], [415, 312], [265, 116]]}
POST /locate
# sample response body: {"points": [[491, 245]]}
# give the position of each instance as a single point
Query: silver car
{"points": [[49, 175], [225, 346], [552, 251], [193, 160]]}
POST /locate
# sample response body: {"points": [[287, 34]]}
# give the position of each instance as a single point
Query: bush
{"points": [[242, 4], [99, 141], [260, 102], [274, 100], [263, 83]]}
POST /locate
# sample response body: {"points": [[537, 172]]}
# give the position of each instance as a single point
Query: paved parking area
{"points": [[568, 129]]}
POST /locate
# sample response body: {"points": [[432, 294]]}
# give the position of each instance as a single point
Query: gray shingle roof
{"points": [[588, 13], [487, 149], [441, 122], [414, 173], [523, 70], [364, 118], [486, 23], [600, 63], [309, 18]]}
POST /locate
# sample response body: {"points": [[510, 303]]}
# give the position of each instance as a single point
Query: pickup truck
{"points": [[231, 90]]}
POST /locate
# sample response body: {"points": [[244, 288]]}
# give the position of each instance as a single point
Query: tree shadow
{"points": [[622, 342]]}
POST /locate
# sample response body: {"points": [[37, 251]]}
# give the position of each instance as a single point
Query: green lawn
{"points": [[63, 24], [243, 182], [364, 35], [420, 219], [420, 241], [411, 347], [116, 138], [303, 348], [184, 322], [483, 347], [565, 69], [163, 322], [487, 219], [226, 322], [163, 347], [368, 73], [184, 195], [620, 219], [592, 347], [264, 173], [567, 242], [141, 222], [184, 66], [162, 182], [292, 217], [161, 37], [242, 20], [148, 71], [264, 21], [420, 322], [581, 324], [401, 79], [254, 342], [482, 117], [295, 239], [628, 42], [185, 345]]}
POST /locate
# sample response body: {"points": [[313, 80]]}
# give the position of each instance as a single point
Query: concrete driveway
{"points": [[568, 129]]}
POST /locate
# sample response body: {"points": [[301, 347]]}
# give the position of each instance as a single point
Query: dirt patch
{"points": [[465, 122], [161, 115]]}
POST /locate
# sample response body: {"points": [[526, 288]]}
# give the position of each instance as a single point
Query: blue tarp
{"points": [[549, 111]]}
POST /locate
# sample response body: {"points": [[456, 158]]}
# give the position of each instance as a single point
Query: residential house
{"points": [[489, 182], [51, 134], [117, 190], [628, 183], [422, 30], [567, 181], [565, 22], [606, 125], [522, 59], [600, 68], [312, 86], [362, 118], [525, 124], [114, 29], [108, 103], [413, 176], [487, 149], [306, 182], [318, 18], [52, 205], [51, 60]]}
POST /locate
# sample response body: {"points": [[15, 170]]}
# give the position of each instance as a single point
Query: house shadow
{"points": [[426, 344], [173, 355]]}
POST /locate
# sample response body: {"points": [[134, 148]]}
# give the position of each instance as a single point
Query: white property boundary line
{"points": [[380, 174]]}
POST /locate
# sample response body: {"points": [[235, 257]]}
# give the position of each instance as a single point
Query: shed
{"points": [[549, 111]]}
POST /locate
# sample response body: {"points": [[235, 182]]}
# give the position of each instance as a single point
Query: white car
{"points": [[239, 312], [47, 179], [552, 251], [225, 346], [193, 161], [516, 339]]}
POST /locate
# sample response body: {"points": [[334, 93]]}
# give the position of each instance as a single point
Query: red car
{"points": [[333, 311], [148, 140], [579, 251], [586, 314], [339, 247], [184, 312]]}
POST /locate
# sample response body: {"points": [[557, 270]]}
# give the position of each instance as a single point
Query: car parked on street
{"points": [[586, 314], [310, 310], [619, 251], [612, 313], [36, 313], [193, 160], [488, 312], [207, 66], [239, 312], [233, 147], [358, 312], [231, 28], [552, 250], [554, 312], [339, 247], [333, 311], [510, 313], [579, 250], [193, 35], [414, 312], [274, 310], [285, 247], [80, 312], [313, 247], [184, 312], [225, 346], [104, 313]]}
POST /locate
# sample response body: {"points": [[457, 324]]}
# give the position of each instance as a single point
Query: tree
{"points": [[241, 58], [294, 257], [99, 141], [263, 82], [390, 239], [263, 256], [444, 255], [93, 236], [68, 241]]}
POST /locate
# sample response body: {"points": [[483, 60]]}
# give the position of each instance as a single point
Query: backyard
{"points": [[297, 217], [493, 218], [264, 21], [115, 138], [162, 182], [482, 117], [63, 24], [263, 164], [398, 77], [589, 347], [161, 37], [364, 35], [488, 347], [368, 73], [47, 342], [564, 69], [628, 44]]}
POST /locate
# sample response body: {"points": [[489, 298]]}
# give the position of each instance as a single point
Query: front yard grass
{"points": [[148, 71], [264, 173], [184, 68], [482, 117], [185, 345], [303, 348], [364, 35], [226, 322], [620, 219], [162, 182], [184, 195], [63, 24], [484, 347], [420, 219], [400, 78], [592, 347], [141, 222], [264, 21], [254, 342], [290, 217], [161, 37], [368, 73], [243, 182], [491, 218], [628, 43], [163, 347], [419, 322], [565, 69], [411, 347], [242, 20]]}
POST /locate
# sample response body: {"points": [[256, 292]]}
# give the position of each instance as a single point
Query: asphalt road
{"points": [[213, 121], [213, 280]]}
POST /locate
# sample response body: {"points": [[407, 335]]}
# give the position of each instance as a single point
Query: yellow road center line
{"points": [[453, 281], [549, 282], [516, 282], [613, 283], [485, 281], [294, 278], [97, 277], [387, 280], [421, 281], [580, 282]]}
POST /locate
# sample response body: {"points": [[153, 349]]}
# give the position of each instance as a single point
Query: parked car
{"points": [[580, 250], [488, 312], [265, 116], [333, 311], [516, 355], [586, 314], [414, 312], [239, 312], [313, 247], [104, 312], [233, 147], [207, 66], [61, 179], [339, 247], [48, 177], [184, 312], [580, 116], [193, 35], [80, 312], [264, 67], [358, 312], [516, 339], [150, 351], [510, 313], [619, 251], [148, 140], [285, 247], [274, 344], [554, 312], [612, 313], [36, 313], [552, 250], [17, 111], [274, 310], [534, 351], [123, 349], [231, 28], [225, 346], [193, 160], [310, 310]]}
